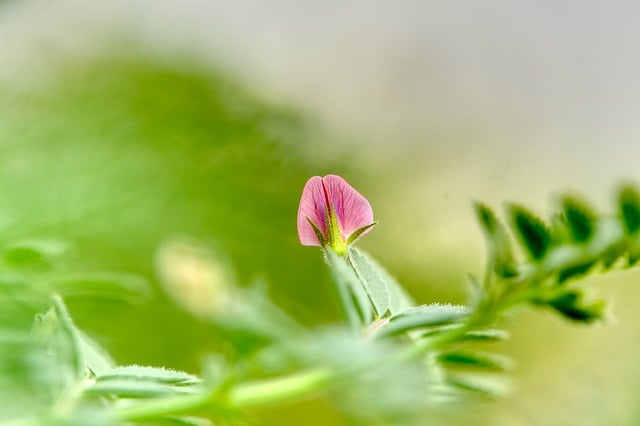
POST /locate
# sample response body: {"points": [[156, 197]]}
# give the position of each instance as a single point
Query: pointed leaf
{"points": [[580, 219], [351, 288], [56, 331], [477, 359], [95, 357], [497, 240], [423, 317], [490, 335], [532, 232], [357, 233], [487, 388], [385, 292], [150, 374], [629, 201], [571, 305], [131, 388], [574, 271]]}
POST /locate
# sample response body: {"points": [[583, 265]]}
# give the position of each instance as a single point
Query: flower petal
{"points": [[312, 205], [352, 209]]}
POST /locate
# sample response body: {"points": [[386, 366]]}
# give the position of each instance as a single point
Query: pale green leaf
{"points": [[149, 375], [487, 335], [488, 387], [477, 359], [350, 287], [96, 358], [110, 286], [56, 331], [34, 252], [422, 317], [385, 293], [133, 388]]}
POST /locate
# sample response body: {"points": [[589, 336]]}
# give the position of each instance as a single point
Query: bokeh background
{"points": [[127, 123]]}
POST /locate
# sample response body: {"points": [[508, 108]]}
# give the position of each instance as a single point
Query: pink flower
{"points": [[332, 213]]}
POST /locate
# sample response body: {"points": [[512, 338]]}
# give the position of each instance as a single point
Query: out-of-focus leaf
{"points": [[387, 296], [108, 286], [488, 387], [571, 305], [422, 317], [476, 359], [487, 335], [629, 201], [580, 219], [182, 421], [497, 240], [149, 375], [574, 271], [96, 358], [350, 287], [133, 388], [57, 331], [143, 382], [533, 233], [34, 252]]}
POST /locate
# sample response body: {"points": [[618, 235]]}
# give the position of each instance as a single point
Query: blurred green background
{"points": [[125, 125]]}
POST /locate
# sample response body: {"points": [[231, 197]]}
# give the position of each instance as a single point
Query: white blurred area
{"points": [[450, 101]]}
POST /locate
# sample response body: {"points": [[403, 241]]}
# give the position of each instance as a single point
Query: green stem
{"points": [[246, 395], [283, 388]]}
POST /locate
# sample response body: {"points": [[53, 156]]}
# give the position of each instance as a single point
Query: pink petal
{"points": [[312, 206], [352, 209]]}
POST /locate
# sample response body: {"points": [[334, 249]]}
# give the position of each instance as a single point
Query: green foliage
{"points": [[477, 359], [533, 233], [580, 220], [571, 305], [350, 287], [629, 201], [422, 317], [498, 241], [168, 152], [387, 296]]}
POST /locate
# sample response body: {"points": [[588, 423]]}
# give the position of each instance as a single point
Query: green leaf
{"points": [[356, 300], [574, 271], [580, 219], [356, 234], [150, 374], [532, 232], [143, 382], [489, 335], [132, 388], [477, 359], [423, 317], [30, 253], [497, 240], [183, 421], [56, 331], [387, 296], [629, 202], [490, 388], [318, 232], [96, 358], [571, 305], [108, 286]]}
